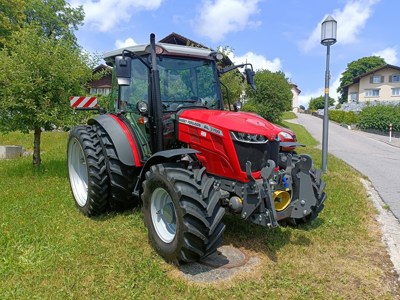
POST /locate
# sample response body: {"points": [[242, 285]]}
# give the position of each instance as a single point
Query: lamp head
{"points": [[328, 31]]}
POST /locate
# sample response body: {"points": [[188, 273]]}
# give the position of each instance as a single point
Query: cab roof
{"points": [[168, 49]]}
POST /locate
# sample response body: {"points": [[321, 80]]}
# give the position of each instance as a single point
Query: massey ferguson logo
{"points": [[201, 126]]}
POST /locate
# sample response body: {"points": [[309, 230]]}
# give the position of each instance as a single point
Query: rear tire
{"points": [[122, 177], [87, 171], [182, 212]]}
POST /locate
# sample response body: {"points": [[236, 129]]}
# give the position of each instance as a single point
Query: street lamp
{"points": [[328, 38]]}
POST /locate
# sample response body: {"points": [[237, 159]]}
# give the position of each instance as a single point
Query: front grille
{"points": [[257, 154]]}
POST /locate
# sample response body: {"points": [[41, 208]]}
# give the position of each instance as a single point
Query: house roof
{"points": [[294, 86], [101, 67], [175, 38], [387, 66]]}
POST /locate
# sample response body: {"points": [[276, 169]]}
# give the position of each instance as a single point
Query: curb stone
{"points": [[390, 226]]}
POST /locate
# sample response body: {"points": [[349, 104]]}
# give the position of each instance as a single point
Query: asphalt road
{"points": [[377, 160]]}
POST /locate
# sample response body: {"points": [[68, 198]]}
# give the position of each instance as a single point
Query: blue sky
{"points": [[271, 34]]}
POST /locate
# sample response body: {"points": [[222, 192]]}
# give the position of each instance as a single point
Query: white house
{"points": [[380, 84], [296, 92]]}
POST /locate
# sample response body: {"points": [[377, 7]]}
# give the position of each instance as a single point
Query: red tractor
{"points": [[170, 146]]}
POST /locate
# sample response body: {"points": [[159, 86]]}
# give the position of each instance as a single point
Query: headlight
{"points": [[248, 137], [142, 107], [285, 135]]}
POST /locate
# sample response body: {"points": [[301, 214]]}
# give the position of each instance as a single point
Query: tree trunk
{"points": [[36, 147]]}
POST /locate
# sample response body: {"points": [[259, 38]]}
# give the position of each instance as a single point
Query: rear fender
{"points": [[124, 143]]}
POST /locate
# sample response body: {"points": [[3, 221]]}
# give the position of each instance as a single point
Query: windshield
{"points": [[183, 83]]}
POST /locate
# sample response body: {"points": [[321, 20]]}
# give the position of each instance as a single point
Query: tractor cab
{"points": [[184, 82]]}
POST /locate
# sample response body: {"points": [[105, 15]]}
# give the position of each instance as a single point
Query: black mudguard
{"points": [[160, 157], [119, 138]]}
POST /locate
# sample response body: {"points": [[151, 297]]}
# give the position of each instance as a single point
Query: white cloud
{"points": [[350, 21], [104, 15], [389, 54], [259, 62], [219, 17], [122, 44]]}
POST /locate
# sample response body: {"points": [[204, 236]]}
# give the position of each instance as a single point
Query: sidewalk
{"points": [[382, 138]]}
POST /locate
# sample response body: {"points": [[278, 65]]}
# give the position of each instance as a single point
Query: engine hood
{"points": [[231, 121]]}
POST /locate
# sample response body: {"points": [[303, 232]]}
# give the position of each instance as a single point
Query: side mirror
{"points": [[123, 69], [250, 77], [237, 106]]}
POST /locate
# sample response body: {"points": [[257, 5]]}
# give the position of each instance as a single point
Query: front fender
{"points": [[160, 157]]}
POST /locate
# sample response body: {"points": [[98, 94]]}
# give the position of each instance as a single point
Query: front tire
{"points": [[182, 212], [87, 171]]}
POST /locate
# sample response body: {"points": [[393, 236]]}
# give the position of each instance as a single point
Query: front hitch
{"points": [[258, 204], [308, 194]]}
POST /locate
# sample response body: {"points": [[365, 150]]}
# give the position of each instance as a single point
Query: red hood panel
{"points": [[235, 121]]}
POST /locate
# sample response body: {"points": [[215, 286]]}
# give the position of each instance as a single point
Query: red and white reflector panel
{"points": [[83, 102]]}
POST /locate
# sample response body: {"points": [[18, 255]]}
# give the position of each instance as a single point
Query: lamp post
{"points": [[328, 38]]}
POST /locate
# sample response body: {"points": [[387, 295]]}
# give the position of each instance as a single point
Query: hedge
{"points": [[380, 117], [346, 117]]}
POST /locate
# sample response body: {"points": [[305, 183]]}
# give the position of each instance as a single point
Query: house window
{"points": [[100, 91], [395, 78], [376, 79], [372, 93], [353, 97], [396, 92]]}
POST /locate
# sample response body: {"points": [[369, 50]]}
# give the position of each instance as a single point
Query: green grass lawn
{"points": [[48, 250]]}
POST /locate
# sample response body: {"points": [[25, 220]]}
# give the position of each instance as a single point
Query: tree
{"points": [[319, 102], [272, 97], [37, 75], [41, 65], [355, 69], [55, 18], [233, 81], [11, 17]]}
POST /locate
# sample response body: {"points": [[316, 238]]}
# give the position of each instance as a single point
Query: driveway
{"points": [[371, 155]]}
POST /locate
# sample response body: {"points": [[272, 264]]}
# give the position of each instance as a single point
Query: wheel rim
{"points": [[163, 215], [78, 173]]}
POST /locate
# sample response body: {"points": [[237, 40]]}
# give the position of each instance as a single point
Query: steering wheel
{"points": [[195, 99]]}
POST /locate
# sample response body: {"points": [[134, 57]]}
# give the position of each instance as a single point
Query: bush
{"points": [[350, 117], [267, 112], [336, 115], [380, 117], [272, 96], [250, 107], [340, 116]]}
